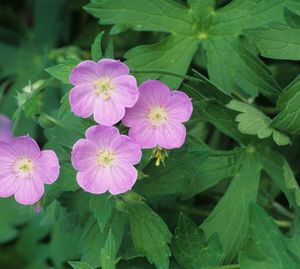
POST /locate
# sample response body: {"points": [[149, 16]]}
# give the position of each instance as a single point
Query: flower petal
{"points": [[125, 90], [25, 146], [85, 72], [82, 100], [108, 112], [9, 183], [48, 167], [5, 129], [84, 155], [102, 136], [155, 92], [144, 135], [112, 68], [94, 181], [30, 191], [171, 135], [7, 155], [135, 114], [126, 150], [180, 107], [122, 179]]}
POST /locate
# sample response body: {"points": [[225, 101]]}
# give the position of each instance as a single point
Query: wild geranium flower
{"points": [[105, 160], [5, 129], [24, 169], [103, 89], [156, 119]]}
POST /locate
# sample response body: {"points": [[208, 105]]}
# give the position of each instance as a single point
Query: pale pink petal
{"points": [[125, 90], [155, 92], [30, 191], [7, 155], [94, 181], [85, 72], [122, 179], [171, 135], [180, 107], [82, 100], [48, 167], [84, 155], [126, 150], [25, 146], [102, 136], [9, 183], [112, 68], [5, 129], [144, 135], [135, 114], [108, 112]]}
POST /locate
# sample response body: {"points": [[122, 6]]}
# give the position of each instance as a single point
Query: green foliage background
{"points": [[228, 199]]}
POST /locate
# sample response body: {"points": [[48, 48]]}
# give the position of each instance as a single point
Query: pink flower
{"points": [[156, 119], [104, 89], [24, 169], [5, 129], [105, 160]]}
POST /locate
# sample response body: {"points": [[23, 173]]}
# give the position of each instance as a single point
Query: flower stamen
{"points": [[105, 158], [103, 88], [157, 115], [24, 166]]}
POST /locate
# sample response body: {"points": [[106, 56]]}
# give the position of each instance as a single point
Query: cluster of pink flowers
{"points": [[105, 159], [153, 113]]}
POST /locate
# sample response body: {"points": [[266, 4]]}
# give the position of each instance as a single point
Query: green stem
{"points": [[283, 223], [18, 113], [58, 123], [267, 109], [283, 211], [228, 266]]}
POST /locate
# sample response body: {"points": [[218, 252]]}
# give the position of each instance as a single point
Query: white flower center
{"points": [[157, 115], [24, 167], [103, 88], [105, 158]]}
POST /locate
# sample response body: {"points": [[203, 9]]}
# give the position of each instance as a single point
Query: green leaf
{"points": [[219, 31], [254, 122], [63, 70], [173, 178], [288, 104], [291, 18], [65, 236], [232, 66], [102, 207], [47, 22], [234, 207], [150, 234], [276, 41], [96, 50], [67, 178], [217, 167], [190, 248], [278, 169], [75, 202], [171, 16], [80, 265], [222, 118], [93, 240], [9, 221], [108, 253], [266, 247], [163, 56]]}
